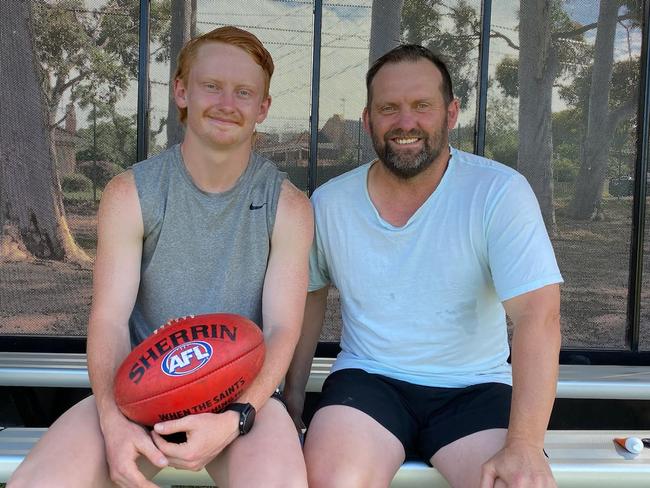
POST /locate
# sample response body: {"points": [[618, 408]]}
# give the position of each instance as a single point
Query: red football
{"points": [[191, 365]]}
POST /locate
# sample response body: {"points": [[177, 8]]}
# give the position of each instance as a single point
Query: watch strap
{"points": [[246, 416]]}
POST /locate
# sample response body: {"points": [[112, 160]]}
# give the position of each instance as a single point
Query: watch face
{"points": [[246, 419], [246, 416]]}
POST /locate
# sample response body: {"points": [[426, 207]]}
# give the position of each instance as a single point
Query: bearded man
{"points": [[430, 247]]}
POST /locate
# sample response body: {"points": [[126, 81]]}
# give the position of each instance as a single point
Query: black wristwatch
{"points": [[246, 416]]}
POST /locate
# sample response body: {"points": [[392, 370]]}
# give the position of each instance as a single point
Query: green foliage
{"points": [[569, 125], [507, 76], [427, 22], [99, 172], [568, 41], [504, 150], [76, 183], [114, 139], [622, 153], [565, 170], [624, 84], [462, 137], [420, 20], [91, 54], [502, 138], [569, 49], [568, 132]]}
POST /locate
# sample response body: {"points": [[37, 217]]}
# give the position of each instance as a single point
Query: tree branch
{"points": [[157, 50], [161, 126], [55, 94], [505, 38], [72, 81], [54, 124], [585, 28]]}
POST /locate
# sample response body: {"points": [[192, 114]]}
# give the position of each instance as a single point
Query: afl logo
{"points": [[186, 358]]}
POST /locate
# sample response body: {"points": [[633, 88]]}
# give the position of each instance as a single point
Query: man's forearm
{"points": [[299, 369], [279, 348], [535, 351], [106, 350]]}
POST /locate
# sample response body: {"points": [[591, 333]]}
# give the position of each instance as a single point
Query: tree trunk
{"points": [[32, 218], [182, 30], [600, 127], [537, 70], [384, 27], [384, 35]]}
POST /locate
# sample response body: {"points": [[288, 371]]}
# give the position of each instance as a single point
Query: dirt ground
{"points": [[594, 261], [51, 298], [44, 297]]}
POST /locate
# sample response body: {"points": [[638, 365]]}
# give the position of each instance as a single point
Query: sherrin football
{"points": [[191, 365]]}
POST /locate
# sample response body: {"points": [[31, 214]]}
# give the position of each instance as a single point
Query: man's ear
{"points": [[453, 110], [366, 120], [180, 93], [264, 110]]}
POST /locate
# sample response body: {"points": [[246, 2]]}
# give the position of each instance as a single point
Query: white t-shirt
{"points": [[422, 303]]}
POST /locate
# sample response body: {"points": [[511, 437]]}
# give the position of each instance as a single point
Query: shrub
{"points": [[99, 172], [76, 183]]}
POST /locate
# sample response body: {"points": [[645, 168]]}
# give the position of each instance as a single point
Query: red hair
{"points": [[227, 35]]}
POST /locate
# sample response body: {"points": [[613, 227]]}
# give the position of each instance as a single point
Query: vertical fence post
{"points": [[483, 73], [315, 94], [143, 83], [640, 189]]}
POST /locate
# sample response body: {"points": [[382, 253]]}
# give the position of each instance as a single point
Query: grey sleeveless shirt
{"points": [[202, 252]]}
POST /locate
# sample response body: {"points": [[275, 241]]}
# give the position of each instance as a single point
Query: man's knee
{"points": [[287, 479], [326, 470], [321, 475]]}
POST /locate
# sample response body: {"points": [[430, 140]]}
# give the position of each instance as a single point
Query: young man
{"points": [[205, 226], [429, 248]]}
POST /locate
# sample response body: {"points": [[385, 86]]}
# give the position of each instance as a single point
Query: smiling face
{"points": [[224, 96], [408, 118]]}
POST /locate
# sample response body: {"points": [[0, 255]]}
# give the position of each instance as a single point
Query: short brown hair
{"points": [[411, 53], [227, 35]]}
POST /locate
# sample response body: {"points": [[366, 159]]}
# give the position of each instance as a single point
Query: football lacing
{"points": [[173, 321]]}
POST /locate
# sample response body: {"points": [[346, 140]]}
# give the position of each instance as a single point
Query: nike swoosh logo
{"points": [[257, 207]]}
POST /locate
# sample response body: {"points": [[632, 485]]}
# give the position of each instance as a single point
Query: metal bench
{"points": [[576, 381], [580, 459]]}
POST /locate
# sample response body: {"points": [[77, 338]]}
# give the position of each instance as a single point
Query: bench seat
{"points": [[576, 381], [579, 459]]}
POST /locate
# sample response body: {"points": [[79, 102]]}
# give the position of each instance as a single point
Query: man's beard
{"points": [[406, 164]]}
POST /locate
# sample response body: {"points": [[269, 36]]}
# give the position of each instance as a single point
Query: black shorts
{"points": [[423, 418]]}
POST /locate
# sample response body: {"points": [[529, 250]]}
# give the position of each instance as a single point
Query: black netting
{"points": [[562, 109], [68, 126], [554, 114]]}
